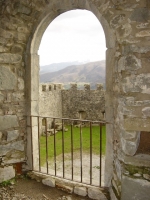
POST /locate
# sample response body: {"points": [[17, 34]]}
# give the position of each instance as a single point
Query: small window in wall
{"points": [[50, 88], [54, 87], [44, 122], [43, 87], [82, 114]]}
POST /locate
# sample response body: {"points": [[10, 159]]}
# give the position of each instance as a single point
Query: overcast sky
{"points": [[73, 36]]}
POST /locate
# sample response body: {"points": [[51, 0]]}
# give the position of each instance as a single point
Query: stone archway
{"points": [[32, 62]]}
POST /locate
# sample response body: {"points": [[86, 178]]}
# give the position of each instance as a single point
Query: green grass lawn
{"points": [[76, 142]]}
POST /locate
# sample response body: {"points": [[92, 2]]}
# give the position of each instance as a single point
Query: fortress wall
{"points": [[84, 104]]}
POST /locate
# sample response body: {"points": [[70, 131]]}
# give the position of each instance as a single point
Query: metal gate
{"points": [[71, 149]]}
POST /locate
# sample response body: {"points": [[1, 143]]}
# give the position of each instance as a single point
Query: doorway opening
{"points": [[34, 63]]}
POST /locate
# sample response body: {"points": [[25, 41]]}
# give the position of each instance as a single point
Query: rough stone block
{"points": [[130, 135], [49, 181], [1, 134], [65, 188], [138, 83], [12, 135], [80, 191], [96, 194], [20, 83], [135, 189], [14, 156], [138, 124], [129, 63], [10, 58], [6, 173], [146, 111], [17, 145], [130, 147], [8, 121], [8, 79]]}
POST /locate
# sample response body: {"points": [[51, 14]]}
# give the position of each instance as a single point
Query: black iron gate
{"points": [[71, 149]]}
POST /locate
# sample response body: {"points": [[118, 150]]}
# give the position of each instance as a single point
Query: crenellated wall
{"points": [[72, 103], [84, 104]]}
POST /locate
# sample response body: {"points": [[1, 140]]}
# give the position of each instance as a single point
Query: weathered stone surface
{"points": [[140, 83], [1, 136], [135, 189], [6, 173], [1, 97], [140, 15], [65, 188], [8, 121], [14, 156], [16, 49], [80, 191], [8, 79], [130, 147], [117, 20], [145, 33], [20, 8], [17, 145], [10, 58], [12, 135], [95, 193], [136, 49], [20, 83], [130, 135], [146, 111], [138, 124], [129, 63], [5, 34], [49, 181]]}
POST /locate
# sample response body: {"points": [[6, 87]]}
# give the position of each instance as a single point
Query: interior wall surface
{"points": [[127, 29]]}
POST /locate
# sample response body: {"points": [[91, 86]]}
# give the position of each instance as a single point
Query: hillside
{"points": [[93, 72]]}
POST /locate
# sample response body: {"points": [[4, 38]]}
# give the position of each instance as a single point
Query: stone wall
{"points": [[126, 25], [84, 104], [54, 101], [50, 100]]}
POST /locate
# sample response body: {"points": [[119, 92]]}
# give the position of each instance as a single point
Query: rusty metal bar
{"points": [[31, 140], [85, 120], [38, 119], [46, 144], [63, 158], [81, 168], [72, 150], [90, 152], [54, 146], [100, 164]]}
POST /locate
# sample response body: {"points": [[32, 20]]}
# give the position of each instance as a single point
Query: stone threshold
{"points": [[93, 192]]}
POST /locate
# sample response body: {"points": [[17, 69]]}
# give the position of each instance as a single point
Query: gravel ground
{"points": [[27, 189]]}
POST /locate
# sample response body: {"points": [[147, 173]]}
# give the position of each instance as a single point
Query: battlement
{"points": [[50, 87], [73, 86]]}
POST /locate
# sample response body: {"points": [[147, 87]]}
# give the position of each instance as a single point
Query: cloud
{"points": [[74, 35]]}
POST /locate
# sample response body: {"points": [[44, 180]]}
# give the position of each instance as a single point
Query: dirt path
{"points": [[77, 167], [26, 189]]}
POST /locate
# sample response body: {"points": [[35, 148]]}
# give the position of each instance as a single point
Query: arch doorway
{"points": [[32, 63]]}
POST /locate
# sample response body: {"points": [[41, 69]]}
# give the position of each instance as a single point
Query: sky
{"points": [[73, 36]]}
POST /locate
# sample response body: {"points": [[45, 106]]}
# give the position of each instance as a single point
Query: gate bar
{"points": [[63, 148], [72, 149], [38, 119], [46, 144], [91, 153], [81, 149]]}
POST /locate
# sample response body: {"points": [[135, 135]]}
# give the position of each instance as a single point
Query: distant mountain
{"points": [[93, 72], [57, 66]]}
